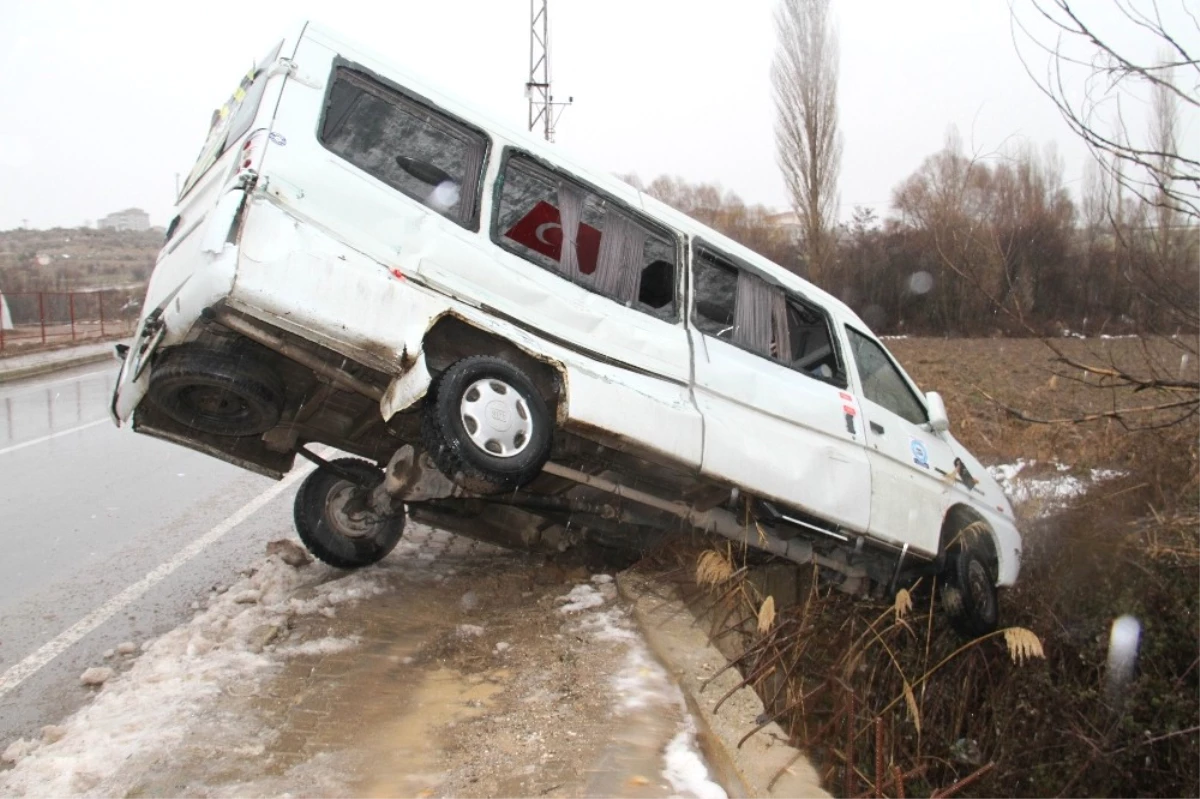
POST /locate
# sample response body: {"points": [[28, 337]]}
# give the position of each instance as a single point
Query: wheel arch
{"points": [[963, 517], [451, 339]]}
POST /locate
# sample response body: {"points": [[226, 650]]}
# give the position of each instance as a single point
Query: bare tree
{"points": [[804, 77], [1094, 72], [1097, 66]]}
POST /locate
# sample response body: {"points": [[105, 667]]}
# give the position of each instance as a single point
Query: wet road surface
{"points": [[86, 512]]}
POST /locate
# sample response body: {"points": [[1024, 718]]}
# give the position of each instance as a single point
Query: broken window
{"points": [[882, 382], [744, 308], [586, 237], [715, 295], [810, 346], [422, 153]]}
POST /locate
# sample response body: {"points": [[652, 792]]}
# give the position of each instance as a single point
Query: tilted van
{"points": [[520, 349]]}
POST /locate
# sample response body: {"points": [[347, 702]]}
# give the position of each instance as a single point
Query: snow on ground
{"points": [[685, 769], [170, 696], [643, 684], [1045, 488], [225, 648]]}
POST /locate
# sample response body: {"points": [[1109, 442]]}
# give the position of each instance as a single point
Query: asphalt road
{"points": [[105, 536]]}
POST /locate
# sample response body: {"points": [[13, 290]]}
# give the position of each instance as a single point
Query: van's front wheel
{"points": [[969, 593], [486, 426]]}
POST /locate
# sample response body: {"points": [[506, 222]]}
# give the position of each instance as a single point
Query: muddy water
{"points": [[463, 677]]}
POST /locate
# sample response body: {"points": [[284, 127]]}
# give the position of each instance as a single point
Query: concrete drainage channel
{"points": [[765, 765]]}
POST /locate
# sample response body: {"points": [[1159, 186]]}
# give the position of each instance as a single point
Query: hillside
{"points": [[63, 259]]}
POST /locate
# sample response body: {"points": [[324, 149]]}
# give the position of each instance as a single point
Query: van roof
{"points": [[447, 99]]}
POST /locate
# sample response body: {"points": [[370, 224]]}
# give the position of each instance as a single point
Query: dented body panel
{"points": [[318, 260]]}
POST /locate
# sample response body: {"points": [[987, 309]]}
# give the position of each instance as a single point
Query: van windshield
{"points": [[231, 121]]}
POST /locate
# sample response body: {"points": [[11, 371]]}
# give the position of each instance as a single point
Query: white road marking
{"points": [[43, 439], [39, 387], [16, 675]]}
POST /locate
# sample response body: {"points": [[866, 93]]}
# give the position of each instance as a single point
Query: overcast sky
{"points": [[101, 104]]}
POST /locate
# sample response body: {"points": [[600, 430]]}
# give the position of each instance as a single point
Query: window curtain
{"points": [[619, 263], [472, 174], [782, 342], [570, 214], [752, 313]]}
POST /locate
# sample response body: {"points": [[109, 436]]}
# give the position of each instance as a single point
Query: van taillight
{"points": [[250, 155]]}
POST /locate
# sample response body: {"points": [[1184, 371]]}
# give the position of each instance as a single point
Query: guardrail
{"points": [[32, 320]]}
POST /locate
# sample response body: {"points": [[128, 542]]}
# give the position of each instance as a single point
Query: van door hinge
{"points": [[291, 69]]}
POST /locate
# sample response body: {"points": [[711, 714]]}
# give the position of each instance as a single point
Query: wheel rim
{"points": [[357, 524], [215, 403], [979, 583], [496, 418]]}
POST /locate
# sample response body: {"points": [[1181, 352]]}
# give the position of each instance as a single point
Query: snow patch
{"points": [[169, 690], [684, 767], [641, 682], [581, 597], [1049, 491], [330, 645]]}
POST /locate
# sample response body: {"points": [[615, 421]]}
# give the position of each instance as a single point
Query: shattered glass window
{"points": [[744, 308], [882, 382], [715, 296], [811, 349], [615, 253], [424, 154]]}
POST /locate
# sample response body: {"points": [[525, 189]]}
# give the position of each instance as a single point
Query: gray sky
{"points": [[102, 103]]}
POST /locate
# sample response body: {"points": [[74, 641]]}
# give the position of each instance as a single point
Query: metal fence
{"points": [[35, 319]]}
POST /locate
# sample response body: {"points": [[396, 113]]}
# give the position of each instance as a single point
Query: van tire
{"points": [[222, 392], [315, 512], [487, 459], [969, 595]]}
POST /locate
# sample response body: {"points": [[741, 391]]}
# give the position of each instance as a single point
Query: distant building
{"points": [[129, 219], [787, 221]]}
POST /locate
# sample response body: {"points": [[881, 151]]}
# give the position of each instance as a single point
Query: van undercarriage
{"points": [[594, 490]]}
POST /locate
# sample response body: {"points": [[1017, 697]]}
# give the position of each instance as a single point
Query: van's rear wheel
{"points": [[335, 521], [222, 392], [486, 426]]}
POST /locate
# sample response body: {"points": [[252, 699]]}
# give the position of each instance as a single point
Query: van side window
{"points": [[737, 305], [716, 293], [810, 348], [585, 236], [882, 382], [412, 148]]}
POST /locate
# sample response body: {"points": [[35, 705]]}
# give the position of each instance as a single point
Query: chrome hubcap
{"points": [[496, 417]]}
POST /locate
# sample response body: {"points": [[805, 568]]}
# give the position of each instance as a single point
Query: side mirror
{"points": [[938, 421]]}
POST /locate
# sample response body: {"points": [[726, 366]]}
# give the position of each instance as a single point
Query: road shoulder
{"points": [[765, 765]]}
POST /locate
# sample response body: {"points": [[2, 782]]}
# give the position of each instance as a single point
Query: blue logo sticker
{"points": [[279, 139], [919, 453]]}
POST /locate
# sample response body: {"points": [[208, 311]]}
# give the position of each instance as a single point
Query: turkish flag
{"points": [[541, 231]]}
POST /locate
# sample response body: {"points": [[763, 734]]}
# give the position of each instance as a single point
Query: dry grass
{"points": [[1023, 645], [766, 615], [713, 568], [890, 701], [903, 603]]}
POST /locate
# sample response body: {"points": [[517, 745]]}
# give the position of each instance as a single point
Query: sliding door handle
{"points": [[877, 428]]}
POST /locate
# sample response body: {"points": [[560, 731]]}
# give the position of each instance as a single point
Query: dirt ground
{"points": [[453, 668]]}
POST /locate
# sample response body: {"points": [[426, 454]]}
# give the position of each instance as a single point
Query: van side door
{"points": [[909, 463], [770, 383]]}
